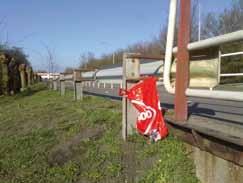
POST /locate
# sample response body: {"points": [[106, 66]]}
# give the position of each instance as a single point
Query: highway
{"points": [[220, 111]]}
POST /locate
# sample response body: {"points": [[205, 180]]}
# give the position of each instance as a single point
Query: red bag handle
{"points": [[123, 92]]}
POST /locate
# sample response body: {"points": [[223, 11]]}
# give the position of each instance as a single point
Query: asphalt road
{"points": [[208, 109]]}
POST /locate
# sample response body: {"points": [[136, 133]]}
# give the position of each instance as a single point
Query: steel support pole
{"points": [[182, 66], [219, 66]]}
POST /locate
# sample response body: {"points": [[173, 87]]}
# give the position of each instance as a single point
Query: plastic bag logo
{"points": [[145, 115], [148, 113]]}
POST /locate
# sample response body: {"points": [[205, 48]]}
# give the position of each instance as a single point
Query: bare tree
{"points": [[228, 21], [51, 65], [232, 19], [210, 26], [194, 20]]}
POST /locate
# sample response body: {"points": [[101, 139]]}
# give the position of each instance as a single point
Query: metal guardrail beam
{"points": [[231, 54], [228, 74], [231, 75], [215, 41], [147, 57], [149, 68]]}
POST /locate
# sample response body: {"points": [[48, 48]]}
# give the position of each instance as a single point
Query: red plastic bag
{"points": [[144, 97]]}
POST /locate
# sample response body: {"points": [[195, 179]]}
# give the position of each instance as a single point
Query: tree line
{"points": [[12, 60], [212, 24]]}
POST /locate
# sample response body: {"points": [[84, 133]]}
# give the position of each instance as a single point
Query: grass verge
{"points": [[48, 138]]}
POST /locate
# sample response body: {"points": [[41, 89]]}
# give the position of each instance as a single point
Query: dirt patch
{"points": [[129, 162], [62, 153]]}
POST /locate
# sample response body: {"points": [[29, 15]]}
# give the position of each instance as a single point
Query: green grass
{"points": [[46, 138]]}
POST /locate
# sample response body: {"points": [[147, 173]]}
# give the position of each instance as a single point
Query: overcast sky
{"points": [[72, 27]]}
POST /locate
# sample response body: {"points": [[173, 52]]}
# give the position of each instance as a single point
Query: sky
{"points": [[69, 28]]}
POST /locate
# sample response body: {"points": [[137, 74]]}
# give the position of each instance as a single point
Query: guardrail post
{"points": [[54, 84], [39, 78], [131, 74], [50, 83], [32, 77], [62, 84], [35, 77], [14, 82], [22, 68], [78, 85], [29, 76]]}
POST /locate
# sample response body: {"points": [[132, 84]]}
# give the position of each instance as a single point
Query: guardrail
{"points": [[211, 42], [109, 76], [220, 62]]}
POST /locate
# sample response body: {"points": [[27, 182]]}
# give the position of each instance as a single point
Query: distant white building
{"points": [[46, 75]]}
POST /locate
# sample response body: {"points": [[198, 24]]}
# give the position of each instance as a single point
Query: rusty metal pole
{"points": [[183, 63]]}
